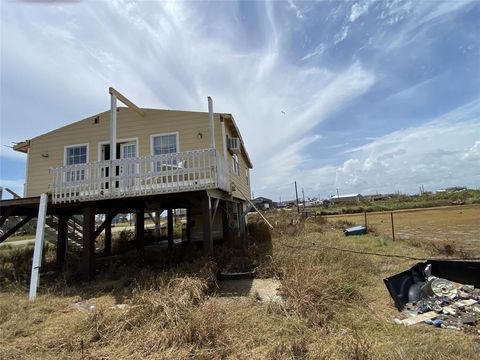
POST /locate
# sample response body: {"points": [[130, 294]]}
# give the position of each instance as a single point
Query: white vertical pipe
{"points": [[113, 127], [224, 138], [37, 252], [211, 123], [113, 139], [25, 186]]}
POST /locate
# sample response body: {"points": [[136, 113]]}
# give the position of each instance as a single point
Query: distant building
{"points": [[280, 205], [452, 189], [263, 203], [346, 198]]}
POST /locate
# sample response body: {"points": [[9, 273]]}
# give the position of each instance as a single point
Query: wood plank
{"points": [[127, 102], [419, 318], [108, 220], [15, 228], [5, 215]]}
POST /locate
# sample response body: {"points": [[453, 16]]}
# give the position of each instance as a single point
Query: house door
{"points": [[129, 168]]}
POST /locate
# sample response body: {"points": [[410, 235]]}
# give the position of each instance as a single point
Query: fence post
{"points": [[393, 227], [365, 213]]}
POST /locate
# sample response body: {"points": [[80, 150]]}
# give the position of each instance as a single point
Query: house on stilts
{"points": [[142, 161]]}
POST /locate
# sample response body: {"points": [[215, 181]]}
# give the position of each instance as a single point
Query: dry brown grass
{"points": [[336, 307], [457, 226]]}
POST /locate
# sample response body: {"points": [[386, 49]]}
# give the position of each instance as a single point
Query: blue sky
{"points": [[362, 96]]}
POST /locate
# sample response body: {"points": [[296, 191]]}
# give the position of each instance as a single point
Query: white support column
{"points": [[37, 252], [113, 127], [113, 139], [211, 123], [224, 138]]}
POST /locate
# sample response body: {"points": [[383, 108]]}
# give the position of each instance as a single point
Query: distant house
{"points": [[263, 203], [346, 198], [280, 205]]}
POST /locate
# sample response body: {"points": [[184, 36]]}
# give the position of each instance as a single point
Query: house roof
{"points": [[23, 146], [262, 199]]}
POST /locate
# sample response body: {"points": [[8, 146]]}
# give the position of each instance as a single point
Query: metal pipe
{"points": [[211, 123], [113, 127], [38, 249], [224, 138]]}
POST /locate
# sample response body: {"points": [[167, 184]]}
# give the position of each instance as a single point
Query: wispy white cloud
{"points": [[316, 52], [295, 8], [341, 35], [358, 9], [414, 17], [177, 64], [432, 154], [175, 54]]}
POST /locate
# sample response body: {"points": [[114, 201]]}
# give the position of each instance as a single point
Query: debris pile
{"points": [[441, 303]]}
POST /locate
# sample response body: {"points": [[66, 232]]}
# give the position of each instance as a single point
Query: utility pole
{"points": [[296, 195], [303, 194]]}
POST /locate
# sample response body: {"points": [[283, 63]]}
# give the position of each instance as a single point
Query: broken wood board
{"points": [[419, 318]]}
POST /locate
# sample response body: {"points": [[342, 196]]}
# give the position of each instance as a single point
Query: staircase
{"points": [[74, 231]]}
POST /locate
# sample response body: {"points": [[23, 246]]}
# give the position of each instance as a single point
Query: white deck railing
{"points": [[158, 174]]}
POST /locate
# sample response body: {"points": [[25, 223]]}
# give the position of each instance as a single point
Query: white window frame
{"points": [[152, 147], [119, 141], [65, 159], [236, 165], [164, 134]]}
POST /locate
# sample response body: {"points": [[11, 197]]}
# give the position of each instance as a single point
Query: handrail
{"points": [[153, 174]]}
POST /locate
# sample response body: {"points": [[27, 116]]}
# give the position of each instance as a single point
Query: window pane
{"points": [[165, 144], [76, 155]]}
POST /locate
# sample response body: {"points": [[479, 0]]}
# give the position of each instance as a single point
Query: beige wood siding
{"points": [[192, 128], [240, 181]]}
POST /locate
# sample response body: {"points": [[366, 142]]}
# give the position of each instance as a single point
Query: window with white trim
{"points": [[236, 164], [164, 144], [75, 155]]}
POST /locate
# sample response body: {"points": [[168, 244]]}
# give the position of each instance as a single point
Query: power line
{"points": [[318, 247]]}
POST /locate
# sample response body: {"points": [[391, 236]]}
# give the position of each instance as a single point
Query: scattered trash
{"points": [[356, 230], [442, 293], [417, 318], [83, 306]]}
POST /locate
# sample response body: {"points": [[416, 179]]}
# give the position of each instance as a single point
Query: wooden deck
{"points": [[204, 202], [140, 176]]}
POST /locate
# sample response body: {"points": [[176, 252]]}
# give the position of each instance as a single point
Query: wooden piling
{"points": [[61, 241], [139, 235], [88, 250], [207, 224], [170, 228]]}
